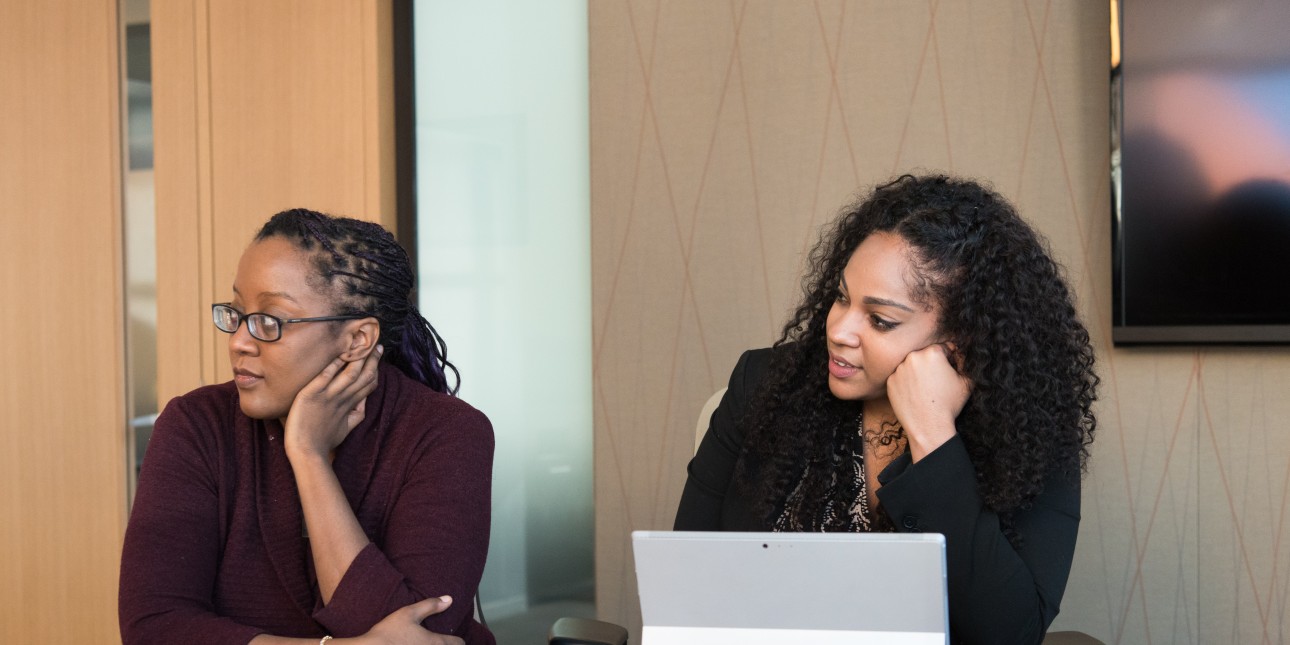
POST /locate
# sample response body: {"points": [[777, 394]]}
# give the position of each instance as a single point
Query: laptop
{"points": [[701, 588]]}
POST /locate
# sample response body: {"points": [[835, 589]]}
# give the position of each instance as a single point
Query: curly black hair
{"points": [[1003, 303]]}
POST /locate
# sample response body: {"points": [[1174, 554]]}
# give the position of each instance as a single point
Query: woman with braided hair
{"points": [[935, 378], [335, 490]]}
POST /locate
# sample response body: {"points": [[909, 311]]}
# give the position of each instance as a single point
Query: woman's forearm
{"points": [[997, 593], [402, 626], [335, 537]]}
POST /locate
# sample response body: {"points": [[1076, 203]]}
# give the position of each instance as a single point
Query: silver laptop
{"points": [[699, 588]]}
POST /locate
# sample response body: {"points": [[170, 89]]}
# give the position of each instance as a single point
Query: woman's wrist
{"points": [[266, 639], [926, 440], [305, 456]]}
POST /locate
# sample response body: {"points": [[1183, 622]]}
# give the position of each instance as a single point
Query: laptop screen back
{"points": [[809, 588]]}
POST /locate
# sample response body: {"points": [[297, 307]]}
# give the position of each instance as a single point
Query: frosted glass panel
{"points": [[504, 252], [140, 237]]}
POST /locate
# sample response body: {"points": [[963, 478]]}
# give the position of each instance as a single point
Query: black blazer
{"points": [[997, 594]]}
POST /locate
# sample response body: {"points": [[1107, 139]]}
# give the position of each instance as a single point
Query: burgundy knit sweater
{"points": [[214, 551]]}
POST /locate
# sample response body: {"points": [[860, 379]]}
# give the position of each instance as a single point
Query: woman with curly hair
{"points": [[936, 378]]}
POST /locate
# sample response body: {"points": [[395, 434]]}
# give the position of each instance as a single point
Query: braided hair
{"points": [[370, 273], [1003, 303]]}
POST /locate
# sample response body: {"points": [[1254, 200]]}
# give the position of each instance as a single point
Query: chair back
{"points": [[705, 417]]}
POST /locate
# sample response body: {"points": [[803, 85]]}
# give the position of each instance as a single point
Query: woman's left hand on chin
{"points": [[330, 406], [927, 393]]}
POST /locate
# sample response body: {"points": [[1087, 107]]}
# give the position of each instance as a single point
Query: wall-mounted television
{"points": [[1201, 171]]}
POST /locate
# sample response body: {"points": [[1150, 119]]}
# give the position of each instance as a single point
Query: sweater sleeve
{"points": [[172, 542], [997, 593], [712, 468], [436, 537]]}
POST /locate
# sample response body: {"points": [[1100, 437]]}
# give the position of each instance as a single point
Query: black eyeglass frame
{"points": [[280, 321]]}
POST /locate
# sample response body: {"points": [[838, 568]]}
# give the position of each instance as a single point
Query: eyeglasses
{"points": [[263, 326]]}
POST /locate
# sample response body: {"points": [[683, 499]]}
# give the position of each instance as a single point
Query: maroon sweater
{"points": [[214, 551]]}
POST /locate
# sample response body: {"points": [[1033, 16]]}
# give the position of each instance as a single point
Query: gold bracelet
{"points": [[324, 640]]}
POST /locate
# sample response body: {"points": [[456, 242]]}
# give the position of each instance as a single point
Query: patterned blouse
{"points": [[859, 516]]}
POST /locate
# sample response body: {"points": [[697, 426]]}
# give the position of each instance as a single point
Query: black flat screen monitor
{"points": [[1201, 171]]}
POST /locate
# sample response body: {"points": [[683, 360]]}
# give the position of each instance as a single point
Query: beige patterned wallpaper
{"points": [[724, 132]]}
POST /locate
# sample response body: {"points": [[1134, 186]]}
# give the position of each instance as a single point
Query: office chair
{"points": [[584, 631]]}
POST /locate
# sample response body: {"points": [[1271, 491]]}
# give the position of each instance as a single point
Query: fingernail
{"points": [[446, 599], [380, 349]]}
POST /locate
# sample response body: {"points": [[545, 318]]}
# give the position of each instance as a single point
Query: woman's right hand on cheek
{"points": [[331, 405], [927, 393], [403, 627]]}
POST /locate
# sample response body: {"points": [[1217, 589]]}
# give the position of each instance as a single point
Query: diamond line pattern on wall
{"points": [[692, 211]]}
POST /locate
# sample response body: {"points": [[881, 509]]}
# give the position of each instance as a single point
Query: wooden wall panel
{"points": [[724, 133], [62, 399], [258, 107]]}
